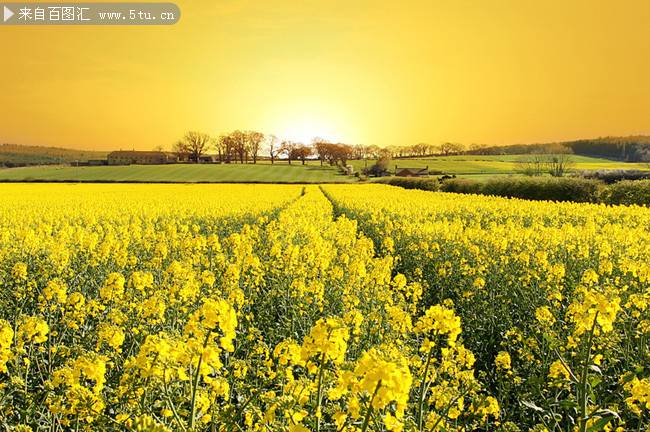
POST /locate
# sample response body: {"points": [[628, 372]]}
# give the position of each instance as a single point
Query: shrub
{"points": [[380, 168], [539, 189], [551, 189], [376, 170], [461, 186], [627, 192], [613, 176]]}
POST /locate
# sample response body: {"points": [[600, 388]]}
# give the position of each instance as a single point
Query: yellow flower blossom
{"points": [[503, 361], [384, 379], [328, 338], [544, 315], [32, 329], [439, 320]]}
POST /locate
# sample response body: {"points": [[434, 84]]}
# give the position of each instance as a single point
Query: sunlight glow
{"points": [[304, 130]]}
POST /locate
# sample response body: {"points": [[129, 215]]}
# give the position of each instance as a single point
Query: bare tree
{"points": [[220, 148], [288, 148], [421, 149], [240, 142], [532, 165], [373, 151], [450, 148], [395, 151], [159, 148], [227, 144], [178, 147], [558, 159], [274, 147], [194, 143], [255, 140], [559, 164], [321, 147]]}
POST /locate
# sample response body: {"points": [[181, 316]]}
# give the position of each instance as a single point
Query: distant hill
{"points": [[12, 155], [629, 149]]}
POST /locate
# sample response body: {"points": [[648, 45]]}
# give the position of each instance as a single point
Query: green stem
{"points": [[171, 404], [195, 384], [319, 394], [366, 420], [583, 379], [422, 392], [241, 409], [446, 411]]}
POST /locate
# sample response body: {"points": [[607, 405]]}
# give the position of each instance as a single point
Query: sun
{"points": [[305, 129]]}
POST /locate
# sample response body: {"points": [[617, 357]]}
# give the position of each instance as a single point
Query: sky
{"points": [[356, 71]]}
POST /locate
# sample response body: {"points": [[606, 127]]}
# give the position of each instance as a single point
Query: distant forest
{"points": [[629, 149]]}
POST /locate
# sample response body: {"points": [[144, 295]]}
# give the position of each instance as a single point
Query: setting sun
{"points": [[305, 130]]}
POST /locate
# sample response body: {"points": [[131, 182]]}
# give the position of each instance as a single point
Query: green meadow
{"points": [[477, 167], [217, 173]]}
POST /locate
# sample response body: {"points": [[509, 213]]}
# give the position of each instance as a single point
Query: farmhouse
{"points": [[411, 172], [141, 158]]}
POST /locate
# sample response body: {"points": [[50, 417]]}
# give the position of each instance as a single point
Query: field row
{"points": [[346, 308], [553, 298]]}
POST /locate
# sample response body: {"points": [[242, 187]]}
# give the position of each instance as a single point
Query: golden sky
{"points": [[361, 71]]}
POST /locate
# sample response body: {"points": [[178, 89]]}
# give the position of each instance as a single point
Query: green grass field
{"points": [[231, 173], [493, 165], [477, 167]]}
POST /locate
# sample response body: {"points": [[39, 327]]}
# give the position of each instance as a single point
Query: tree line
{"points": [[629, 149], [249, 146]]}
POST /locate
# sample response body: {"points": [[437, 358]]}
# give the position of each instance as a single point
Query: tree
{"points": [[395, 151], [159, 148], [255, 140], [288, 148], [240, 144], [559, 164], [220, 148], [178, 147], [194, 143], [379, 168], [531, 165], [333, 153], [342, 152], [477, 148], [359, 151], [558, 159], [450, 148], [302, 152], [227, 144], [322, 147], [274, 147], [373, 151], [421, 149]]}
